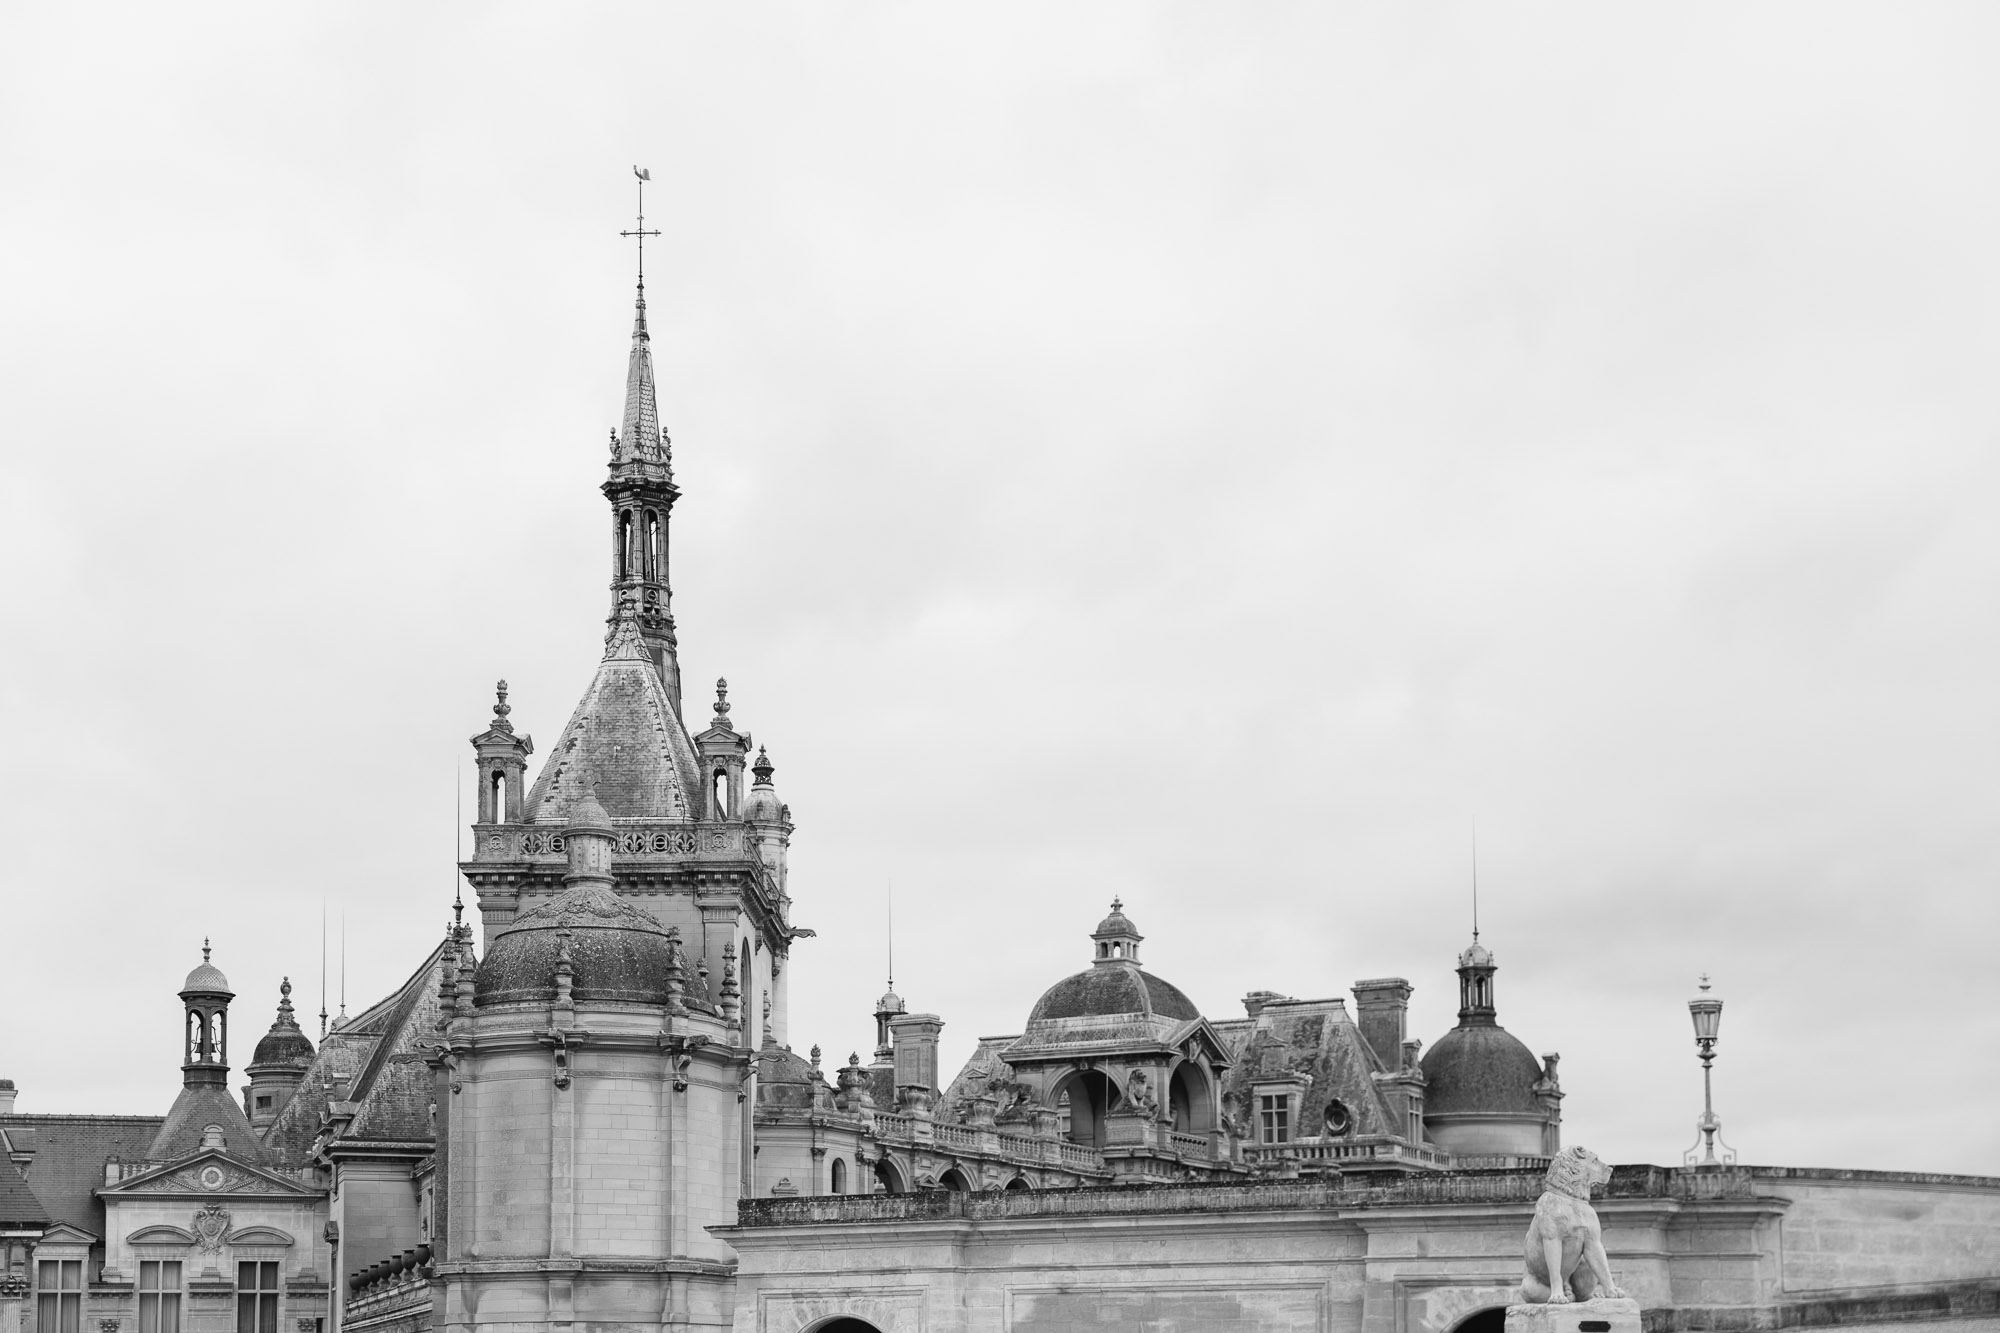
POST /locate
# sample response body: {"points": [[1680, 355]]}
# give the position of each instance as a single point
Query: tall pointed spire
{"points": [[640, 436], [642, 494]]}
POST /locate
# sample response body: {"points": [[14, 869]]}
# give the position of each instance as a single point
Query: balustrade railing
{"points": [[648, 840], [1328, 1192]]}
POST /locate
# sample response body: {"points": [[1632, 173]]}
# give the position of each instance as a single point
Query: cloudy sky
{"points": [[1210, 455]]}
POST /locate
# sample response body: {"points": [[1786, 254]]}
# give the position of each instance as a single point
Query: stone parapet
{"points": [[1472, 1187]]}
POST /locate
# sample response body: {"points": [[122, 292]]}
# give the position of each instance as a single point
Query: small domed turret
{"points": [[206, 979], [278, 1065], [762, 803]]}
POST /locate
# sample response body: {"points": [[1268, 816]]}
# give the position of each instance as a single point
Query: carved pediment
{"points": [[206, 1173]]}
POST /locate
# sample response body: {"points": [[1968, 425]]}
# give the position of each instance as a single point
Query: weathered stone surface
{"points": [[1605, 1315]]}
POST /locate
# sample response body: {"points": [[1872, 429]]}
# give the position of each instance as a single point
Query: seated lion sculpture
{"points": [[1565, 1248]]}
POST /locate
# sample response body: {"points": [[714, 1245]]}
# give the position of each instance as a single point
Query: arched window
{"points": [[839, 1184], [954, 1179], [888, 1179], [722, 793], [1019, 1183], [655, 560], [498, 813], [625, 544]]}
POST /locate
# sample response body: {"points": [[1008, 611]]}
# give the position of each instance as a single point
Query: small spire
{"points": [[285, 1002], [1704, 981], [501, 708], [204, 948], [762, 768], [641, 438]]}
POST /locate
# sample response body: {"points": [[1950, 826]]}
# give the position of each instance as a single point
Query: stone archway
{"points": [[844, 1324], [1088, 1095], [1493, 1319]]}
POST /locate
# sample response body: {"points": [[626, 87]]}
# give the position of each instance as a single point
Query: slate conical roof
{"points": [[639, 435], [626, 737]]}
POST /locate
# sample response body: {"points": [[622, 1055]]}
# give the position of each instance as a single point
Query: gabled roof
{"points": [[193, 1111], [626, 739], [377, 1058], [70, 1153]]}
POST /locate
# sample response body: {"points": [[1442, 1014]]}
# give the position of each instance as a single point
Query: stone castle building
{"points": [[587, 1110]]}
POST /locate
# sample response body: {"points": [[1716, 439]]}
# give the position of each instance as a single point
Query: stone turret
{"points": [[278, 1065]]}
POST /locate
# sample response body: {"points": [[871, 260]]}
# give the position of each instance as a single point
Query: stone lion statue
{"points": [[1565, 1248]]}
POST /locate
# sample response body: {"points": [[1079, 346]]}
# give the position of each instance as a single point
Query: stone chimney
{"points": [[914, 1038], [6, 1096], [1381, 1007]]}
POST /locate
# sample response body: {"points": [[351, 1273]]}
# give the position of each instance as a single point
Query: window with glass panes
{"points": [[59, 1296], [1276, 1115], [159, 1296], [257, 1296]]}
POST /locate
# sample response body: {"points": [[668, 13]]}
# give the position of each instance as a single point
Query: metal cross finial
{"points": [[640, 230]]}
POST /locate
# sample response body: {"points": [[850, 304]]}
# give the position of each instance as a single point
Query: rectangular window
{"points": [[257, 1297], [1275, 1114], [159, 1296], [59, 1296]]}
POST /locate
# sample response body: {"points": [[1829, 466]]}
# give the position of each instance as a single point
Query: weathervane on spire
{"points": [[640, 230]]}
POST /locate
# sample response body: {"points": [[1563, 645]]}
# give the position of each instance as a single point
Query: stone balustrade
{"points": [[1318, 1192], [637, 841]]}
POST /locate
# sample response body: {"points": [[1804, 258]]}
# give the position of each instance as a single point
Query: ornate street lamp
{"points": [[1706, 1010]]}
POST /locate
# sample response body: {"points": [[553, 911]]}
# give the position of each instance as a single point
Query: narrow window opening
{"points": [[59, 1296], [721, 794], [160, 1295], [839, 1185], [625, 544], [497, 814], [654, 562], [257, 1297]]}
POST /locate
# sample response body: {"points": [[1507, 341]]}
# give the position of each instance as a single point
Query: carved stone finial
{"points": [[815, 1055], [204, 948], [763, 767], [1566, 1225]]}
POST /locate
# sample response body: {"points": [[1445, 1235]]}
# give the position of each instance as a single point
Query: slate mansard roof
{"points": [[69, 1156]]}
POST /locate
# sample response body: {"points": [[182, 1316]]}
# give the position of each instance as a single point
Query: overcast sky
{"points": [[1208, 455]]}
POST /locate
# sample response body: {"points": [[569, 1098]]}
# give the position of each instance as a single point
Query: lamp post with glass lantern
{"points": [[1706, 1010]]}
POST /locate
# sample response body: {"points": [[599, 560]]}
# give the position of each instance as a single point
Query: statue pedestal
{"points": [[1599, 1316]]}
